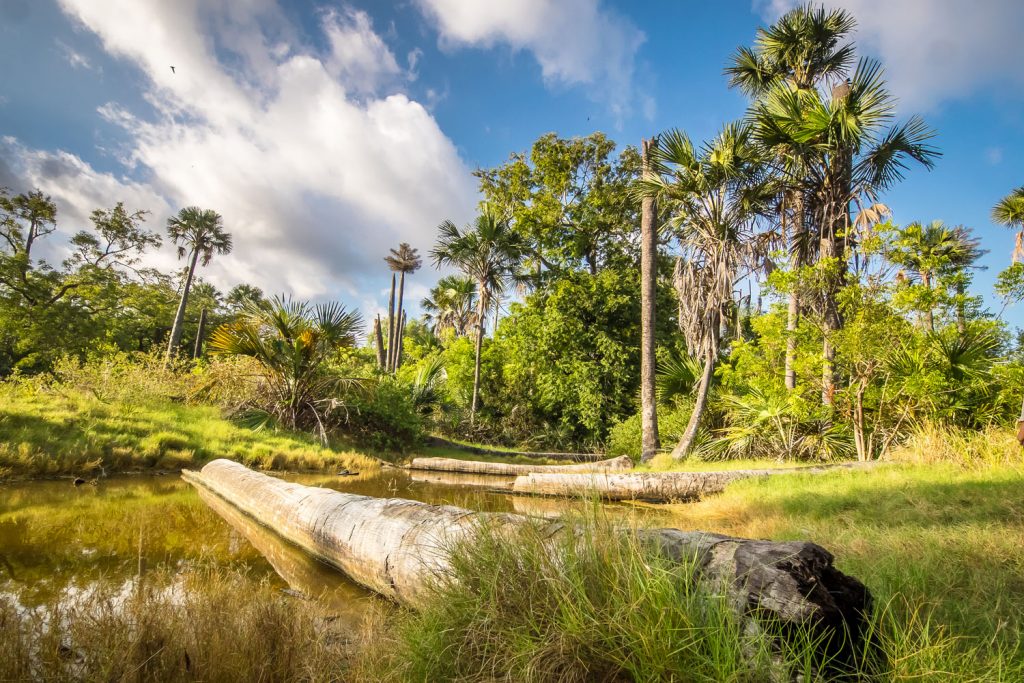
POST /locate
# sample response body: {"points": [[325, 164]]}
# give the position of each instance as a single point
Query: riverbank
{"points": [[68, 432]]}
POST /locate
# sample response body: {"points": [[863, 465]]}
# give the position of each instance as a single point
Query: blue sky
{"points": [[326, 132]]}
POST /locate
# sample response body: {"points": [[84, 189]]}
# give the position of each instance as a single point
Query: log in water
{"points": [[395, 547], [512, 469], [650, 486]]}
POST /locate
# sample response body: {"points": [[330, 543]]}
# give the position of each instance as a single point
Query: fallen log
{"points": [[485, 450], [461, 479], [651, 486], [395, 547], [512, 469]]}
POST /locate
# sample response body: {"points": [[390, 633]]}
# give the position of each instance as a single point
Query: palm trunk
{"points": [[690, 435], [961, 312], [476, 366], [378, 342], [793, 317], [650, 443], [197, 352], [398, 346], [393, 351], [929, 315], [391, 324], [179, 317]]}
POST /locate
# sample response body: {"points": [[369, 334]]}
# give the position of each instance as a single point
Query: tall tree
{"points": [[199, 234], [488, 251], [451, 305], [1010, 212], [931, 252], [568, 200], [714, 197], [649, 441], [801, 50], [403, 260], [849, 151]]}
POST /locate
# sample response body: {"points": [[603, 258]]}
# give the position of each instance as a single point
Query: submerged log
{"points": [[513, 469], [395, 547], [651, 486]]}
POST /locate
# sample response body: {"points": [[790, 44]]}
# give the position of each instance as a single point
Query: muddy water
{"points": [[57, 539]]}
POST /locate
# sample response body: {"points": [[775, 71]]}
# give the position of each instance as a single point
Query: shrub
{"points": [[383, 416], [625, 437]]}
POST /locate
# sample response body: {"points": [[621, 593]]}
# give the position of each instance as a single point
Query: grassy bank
{"points": [[45, 432]]}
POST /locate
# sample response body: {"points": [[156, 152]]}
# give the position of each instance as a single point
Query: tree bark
{"points": [[179, 317], [515, 469], [398, 548], [658, 487], [481, 312], [700, 405], [793, 315], [399, 345], [391, 325], [399, 322], [378, 342], [650, 441], [197, 352]]}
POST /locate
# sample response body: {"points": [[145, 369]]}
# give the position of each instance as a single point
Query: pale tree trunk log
{"points": [[197, 351], [399, 323], [513, 469], [650, 486], [650, 443], [398, 547]]}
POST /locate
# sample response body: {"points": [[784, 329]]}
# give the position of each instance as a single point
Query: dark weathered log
{"points": [[396, 546], [650, 486], [512, 469]]}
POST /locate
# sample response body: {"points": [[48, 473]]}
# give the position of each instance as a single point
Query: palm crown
{"points": [[201, 230], [405, 259]]}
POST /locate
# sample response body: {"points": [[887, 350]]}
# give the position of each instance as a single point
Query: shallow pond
{"points": [[57, 539]]}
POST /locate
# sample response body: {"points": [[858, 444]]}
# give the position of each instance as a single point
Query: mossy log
{"points": [[395, 547], [651, 486], [513, 469]]}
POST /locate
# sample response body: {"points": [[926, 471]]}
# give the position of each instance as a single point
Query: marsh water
{"points": [[57, 539]]}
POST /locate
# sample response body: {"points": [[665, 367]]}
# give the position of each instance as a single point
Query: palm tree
{"points": [[292, 342], [1010, 212], [649, 441], [488, 251], [848, 151], [451, 305], [803, 49], [403, 260], [714, 197], [199, 234], [932, 251]]}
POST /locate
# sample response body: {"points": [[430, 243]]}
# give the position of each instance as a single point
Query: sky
{"points": [[327, 132]]}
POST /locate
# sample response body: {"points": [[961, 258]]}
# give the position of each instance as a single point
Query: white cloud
{"points": [[317, 161], [76, 59], [935, 50], [576, 42]]}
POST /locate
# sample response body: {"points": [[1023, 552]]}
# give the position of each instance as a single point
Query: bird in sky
{"points": [[172, 70]]}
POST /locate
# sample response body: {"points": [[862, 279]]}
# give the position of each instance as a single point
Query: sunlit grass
{"points": [[49, 433]]}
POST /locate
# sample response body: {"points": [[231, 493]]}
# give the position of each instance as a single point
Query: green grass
{"points": [[944, 539], [45, 432], [603, 607]]}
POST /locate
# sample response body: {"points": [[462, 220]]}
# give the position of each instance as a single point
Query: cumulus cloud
{"points": [[316, 159], [576, 42], [935, 50]]}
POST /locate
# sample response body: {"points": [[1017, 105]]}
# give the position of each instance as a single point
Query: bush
{"points": [[383, 416], [625, 437]]}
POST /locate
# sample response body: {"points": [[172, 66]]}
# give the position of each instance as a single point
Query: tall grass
{"points": [[204, 624], [603, 607], [932, 444]]}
